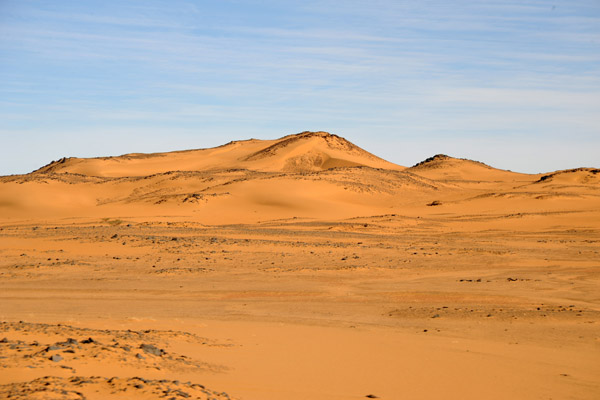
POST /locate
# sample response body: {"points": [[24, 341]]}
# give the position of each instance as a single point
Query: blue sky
{"points": [[515, 84]]}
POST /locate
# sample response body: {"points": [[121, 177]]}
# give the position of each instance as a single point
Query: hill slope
{"points": [[312, 175], [443, 167], [303, 152]]}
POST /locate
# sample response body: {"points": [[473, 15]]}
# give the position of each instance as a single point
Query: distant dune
{"points": [[308, 175], [443, 167], [303, 152]]}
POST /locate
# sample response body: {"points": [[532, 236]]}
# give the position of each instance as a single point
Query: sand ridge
{"points": [[306, 151], [307, 175]]}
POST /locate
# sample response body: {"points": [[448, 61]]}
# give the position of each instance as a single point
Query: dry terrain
{"points": [[298, 268]]}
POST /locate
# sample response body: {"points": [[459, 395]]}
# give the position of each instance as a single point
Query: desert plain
{"points": [[298, 268]]}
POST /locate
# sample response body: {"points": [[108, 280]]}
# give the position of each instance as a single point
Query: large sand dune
{"points": [[296, 268]]}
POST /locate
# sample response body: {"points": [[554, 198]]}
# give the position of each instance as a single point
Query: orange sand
{"points": [[303, 267]]}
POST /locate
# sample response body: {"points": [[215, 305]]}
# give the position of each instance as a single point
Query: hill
{"points": [[302, 152], [443, 167], [313, 175]]}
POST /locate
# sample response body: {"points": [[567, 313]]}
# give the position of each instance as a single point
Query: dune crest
{"points": [[302, 152], [443, 167], [577, 175], [308, 175]]}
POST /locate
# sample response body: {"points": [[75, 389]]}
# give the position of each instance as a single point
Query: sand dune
{"points": [[303, 152], [578, 176], [309, 175], [466, 172], [302, 267]]}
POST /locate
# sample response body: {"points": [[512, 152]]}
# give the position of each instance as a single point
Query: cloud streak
{"points": [[385, 69]]}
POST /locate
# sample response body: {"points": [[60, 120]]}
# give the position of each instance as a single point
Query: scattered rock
{"points": [[180, 393], [151, 349], [50, 387], [56, 358]]}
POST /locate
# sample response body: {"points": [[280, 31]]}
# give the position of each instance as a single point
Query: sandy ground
{"points": [[318, 283]]}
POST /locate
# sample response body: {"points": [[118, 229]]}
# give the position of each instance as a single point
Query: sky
{"points": [[514, 84]]}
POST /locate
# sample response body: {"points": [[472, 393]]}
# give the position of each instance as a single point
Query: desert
{"points": [[296, 268]]}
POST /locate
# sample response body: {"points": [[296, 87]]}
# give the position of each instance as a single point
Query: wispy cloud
{"points": [[397, 69]]}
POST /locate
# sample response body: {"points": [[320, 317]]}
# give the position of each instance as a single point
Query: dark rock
{"points": [[55, 358], [180, 393], [371, 396], [138, 355], [151, 349], [88, 340]]}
